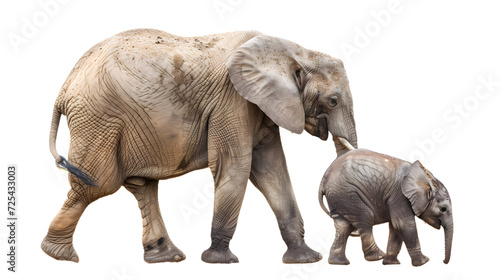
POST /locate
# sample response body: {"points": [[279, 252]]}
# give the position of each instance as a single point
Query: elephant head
{"points": [[295, 87], [430, 201]]}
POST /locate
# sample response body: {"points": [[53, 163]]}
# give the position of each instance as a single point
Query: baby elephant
{"points": [[364, 188]]}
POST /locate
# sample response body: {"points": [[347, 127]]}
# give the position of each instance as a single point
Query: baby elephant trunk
{"points": [[448, 239]]}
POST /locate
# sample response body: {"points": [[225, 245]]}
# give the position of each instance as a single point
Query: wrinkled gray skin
{"points": [[145, 105], [364, 188]]}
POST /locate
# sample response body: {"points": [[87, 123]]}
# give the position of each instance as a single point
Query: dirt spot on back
{"points": [[178, 73]]}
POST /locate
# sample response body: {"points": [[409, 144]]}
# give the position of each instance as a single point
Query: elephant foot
{"points": [[60, 250], [161, 251], [375, 255], [213, 255], [419, 261], [340, 260], [390, 260], [301, 254]]}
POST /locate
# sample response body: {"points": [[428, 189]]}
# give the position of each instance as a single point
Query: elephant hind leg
{"points": [[370, 249], [342, 230], [393, 246], [93, 150], [58, 243], [157, 244]]}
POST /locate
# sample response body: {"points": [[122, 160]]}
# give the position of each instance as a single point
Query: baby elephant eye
{"points": [[333, 101], [442, 209]]}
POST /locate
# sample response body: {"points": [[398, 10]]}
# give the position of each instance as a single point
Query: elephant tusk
{"points": [[346, 143]]}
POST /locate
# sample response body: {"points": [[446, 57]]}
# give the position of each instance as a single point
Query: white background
{"points": [[415, 68]]}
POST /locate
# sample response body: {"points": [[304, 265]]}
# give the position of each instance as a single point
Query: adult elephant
{"points": [[145, 105]]}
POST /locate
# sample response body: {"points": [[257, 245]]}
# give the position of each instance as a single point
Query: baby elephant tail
{"points": [[321, 193], [333, 213]]}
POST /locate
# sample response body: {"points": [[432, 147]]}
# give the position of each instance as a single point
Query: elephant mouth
{"points": [[431, 222], [317, 127], [436, 226]]}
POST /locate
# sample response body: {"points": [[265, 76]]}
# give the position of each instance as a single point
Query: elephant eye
{"points": [[442, 209], [333, 101]]}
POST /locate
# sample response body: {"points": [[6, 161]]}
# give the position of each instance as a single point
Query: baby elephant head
{"points": [[430, 201]]}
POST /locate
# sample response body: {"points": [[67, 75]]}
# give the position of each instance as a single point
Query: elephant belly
{"points": [[359, 206], [163, 145]]}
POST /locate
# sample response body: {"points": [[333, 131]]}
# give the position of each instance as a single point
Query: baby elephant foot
{"points": [[162, 251], [214, 255], [338, 259], [301, 254], [390, 260], [375, 255], [419, 261], [60, 249]]}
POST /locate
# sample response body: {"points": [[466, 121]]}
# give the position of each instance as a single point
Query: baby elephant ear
{"points": [[265, 71], [418, 187]]}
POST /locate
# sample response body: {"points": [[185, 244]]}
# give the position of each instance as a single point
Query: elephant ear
{"points": [[419, 187], [265, 72]]}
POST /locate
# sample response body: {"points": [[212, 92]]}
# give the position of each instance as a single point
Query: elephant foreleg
{"points": [[157, 244], [227, 205], [408, 230], [270, 175], [229, 156], [230, 185]]}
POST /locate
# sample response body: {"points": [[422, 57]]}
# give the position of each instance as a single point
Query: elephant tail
{"points": [[56, 117], [61, 162], [333, 213], [321, 193]]}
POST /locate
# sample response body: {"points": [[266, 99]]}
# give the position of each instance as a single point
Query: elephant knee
{"points": [[402, 224], [397, 224]]}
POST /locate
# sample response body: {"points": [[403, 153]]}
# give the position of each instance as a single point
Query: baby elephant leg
{"points": [[370, 248], [393, 246], [342, 230]]}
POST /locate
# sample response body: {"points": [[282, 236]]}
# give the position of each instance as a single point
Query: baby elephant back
{"points": [[366, 169]]}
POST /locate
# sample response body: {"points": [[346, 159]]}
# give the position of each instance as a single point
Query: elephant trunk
{"points": [[346, 130], [342, 126], [448, 239], [343, 145]]}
